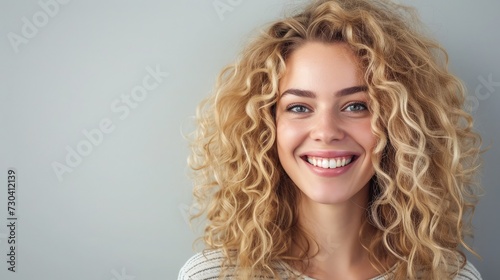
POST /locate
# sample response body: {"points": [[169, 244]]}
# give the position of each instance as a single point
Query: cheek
{"points": [[281, 136], [288, 134], [288, 139], [366, 137], [368, 141]]}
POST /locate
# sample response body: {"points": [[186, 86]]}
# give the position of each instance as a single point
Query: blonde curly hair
{"points": [[423, 192]]}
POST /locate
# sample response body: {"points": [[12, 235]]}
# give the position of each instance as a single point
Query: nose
{"points": [[327, 128]]}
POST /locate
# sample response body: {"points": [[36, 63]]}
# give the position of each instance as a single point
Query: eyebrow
{"points": [[311, 94]]}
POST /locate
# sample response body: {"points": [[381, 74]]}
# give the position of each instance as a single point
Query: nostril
{"points": [[327, 134]]}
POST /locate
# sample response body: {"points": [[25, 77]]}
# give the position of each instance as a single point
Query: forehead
{"points": [[320, 66]]}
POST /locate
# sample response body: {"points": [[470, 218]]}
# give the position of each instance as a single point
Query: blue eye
{"points": [[355, 107], [298, 109]]}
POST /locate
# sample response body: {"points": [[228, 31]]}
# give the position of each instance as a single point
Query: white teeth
{"points": [[329, 163], [311, 161]]}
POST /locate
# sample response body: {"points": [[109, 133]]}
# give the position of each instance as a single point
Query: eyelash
{"points": [[362, 104], [293, 108]]}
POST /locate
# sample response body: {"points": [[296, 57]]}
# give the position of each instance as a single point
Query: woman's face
{"points": [[324, 136]]}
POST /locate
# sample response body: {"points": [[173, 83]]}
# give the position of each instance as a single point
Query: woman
{"points": [[337, 147]]}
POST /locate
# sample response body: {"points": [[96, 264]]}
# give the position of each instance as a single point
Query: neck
{"points": [[335, 228], [336, 250]]}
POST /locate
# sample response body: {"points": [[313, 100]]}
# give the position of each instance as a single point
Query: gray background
{"points": [[121, 211]]}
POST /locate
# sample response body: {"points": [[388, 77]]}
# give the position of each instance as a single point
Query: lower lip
{"points": [[329, 172]]}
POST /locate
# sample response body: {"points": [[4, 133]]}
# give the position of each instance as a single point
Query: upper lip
{"points": [[329, 154]]}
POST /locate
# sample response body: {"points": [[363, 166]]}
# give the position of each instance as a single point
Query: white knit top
{"points": [[208, 266]]}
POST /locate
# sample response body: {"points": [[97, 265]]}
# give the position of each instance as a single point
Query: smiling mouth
{"points": [[330, 163]]}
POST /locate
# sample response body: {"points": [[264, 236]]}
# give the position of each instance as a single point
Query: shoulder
{"points": [[205, 265], [468, 272]]}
